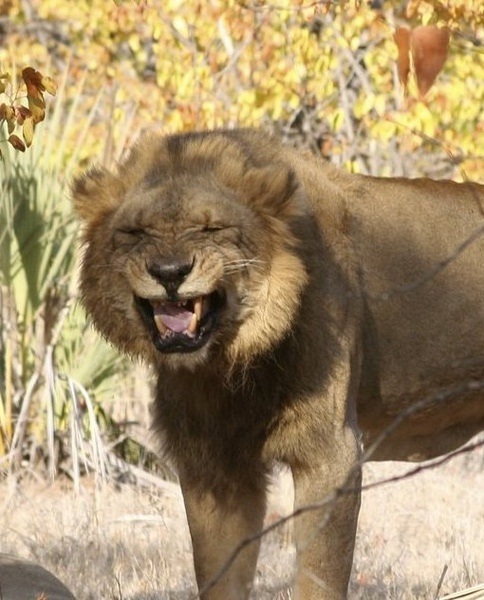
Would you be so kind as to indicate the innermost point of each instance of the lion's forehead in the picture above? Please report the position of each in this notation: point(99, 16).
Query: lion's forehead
point(183, 208)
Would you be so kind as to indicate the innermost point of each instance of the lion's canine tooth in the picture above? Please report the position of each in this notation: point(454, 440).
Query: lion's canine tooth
point(197, 307)
point(192, 327)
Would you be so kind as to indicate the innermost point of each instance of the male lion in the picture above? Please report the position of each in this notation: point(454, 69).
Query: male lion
point(290, 311)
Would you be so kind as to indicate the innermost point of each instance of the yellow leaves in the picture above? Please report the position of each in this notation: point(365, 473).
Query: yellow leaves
point(337, 119)
point(49, 85)
point(4, 81)
point(422, 119)
point(181, 26)
point(7, 114)
point(422, 8)
point(28, 130)
point(36, 84)
point(444, 12)
point(370, 103)
point(136, 47)
point(18, 116)
point(385, 130)
point(326, 69)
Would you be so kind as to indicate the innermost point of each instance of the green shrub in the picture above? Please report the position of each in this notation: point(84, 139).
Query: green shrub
point(49, 357)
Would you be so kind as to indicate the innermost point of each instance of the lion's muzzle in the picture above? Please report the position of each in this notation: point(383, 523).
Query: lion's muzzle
point(181, 326)
point(170, 273)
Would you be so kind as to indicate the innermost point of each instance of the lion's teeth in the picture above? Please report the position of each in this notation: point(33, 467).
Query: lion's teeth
point(192, 327)
point(162, 328)
point(197, 307)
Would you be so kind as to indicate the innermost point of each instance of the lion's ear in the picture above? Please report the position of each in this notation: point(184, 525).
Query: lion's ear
point(96, 193)
point(273, 189)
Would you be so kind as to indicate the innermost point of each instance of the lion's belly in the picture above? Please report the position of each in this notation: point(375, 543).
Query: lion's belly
point(426, 371)
point(423, 284)
point(424, 425)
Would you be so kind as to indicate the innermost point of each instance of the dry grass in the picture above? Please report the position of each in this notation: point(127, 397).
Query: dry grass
point(127, 543)
point(410, 530)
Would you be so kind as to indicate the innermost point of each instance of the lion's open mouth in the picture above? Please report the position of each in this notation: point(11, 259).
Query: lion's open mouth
point(182, 326)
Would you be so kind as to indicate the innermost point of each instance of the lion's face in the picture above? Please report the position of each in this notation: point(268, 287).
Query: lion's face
point(183, 265)
point(189, 257)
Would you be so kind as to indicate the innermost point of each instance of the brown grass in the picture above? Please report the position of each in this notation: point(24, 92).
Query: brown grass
point(410, 530)
point(127, 543)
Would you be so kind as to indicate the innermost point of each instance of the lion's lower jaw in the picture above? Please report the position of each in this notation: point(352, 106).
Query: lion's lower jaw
point(213, 356)
point(223, 354)
point(183, 361)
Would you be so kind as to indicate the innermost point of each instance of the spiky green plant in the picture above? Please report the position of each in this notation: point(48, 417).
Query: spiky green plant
point(48, 356)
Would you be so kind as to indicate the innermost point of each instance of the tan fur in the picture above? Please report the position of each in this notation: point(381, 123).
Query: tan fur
point(335, 302)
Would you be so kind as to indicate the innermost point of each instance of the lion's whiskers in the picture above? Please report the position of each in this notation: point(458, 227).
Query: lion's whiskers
point(103, 266)
point(233, 266)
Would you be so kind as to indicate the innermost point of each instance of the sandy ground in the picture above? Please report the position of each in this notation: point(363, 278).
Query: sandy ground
point(132, 543)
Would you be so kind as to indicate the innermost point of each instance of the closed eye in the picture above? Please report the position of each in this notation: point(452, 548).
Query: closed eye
point(128, 236)
point(134, 231)
point(213, 228)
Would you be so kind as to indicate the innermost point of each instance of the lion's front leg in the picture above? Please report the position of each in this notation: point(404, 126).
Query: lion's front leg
point(218, 524)
point(325, 536)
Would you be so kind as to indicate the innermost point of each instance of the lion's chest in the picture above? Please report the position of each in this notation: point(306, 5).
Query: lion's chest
point(258, 423)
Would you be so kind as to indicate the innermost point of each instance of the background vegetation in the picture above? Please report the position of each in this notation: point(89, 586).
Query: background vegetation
point(324, 75)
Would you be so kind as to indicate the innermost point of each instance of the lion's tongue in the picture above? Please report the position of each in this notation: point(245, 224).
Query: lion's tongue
point(174, 317)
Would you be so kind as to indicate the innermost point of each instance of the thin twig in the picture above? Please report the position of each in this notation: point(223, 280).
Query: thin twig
point(441, 581)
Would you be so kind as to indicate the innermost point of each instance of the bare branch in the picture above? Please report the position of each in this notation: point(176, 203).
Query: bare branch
point(441, 581)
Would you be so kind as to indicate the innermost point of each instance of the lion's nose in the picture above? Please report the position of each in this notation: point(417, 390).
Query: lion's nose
point(171, 273)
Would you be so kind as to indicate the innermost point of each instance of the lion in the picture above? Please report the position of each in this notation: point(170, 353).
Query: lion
point(295, 314)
